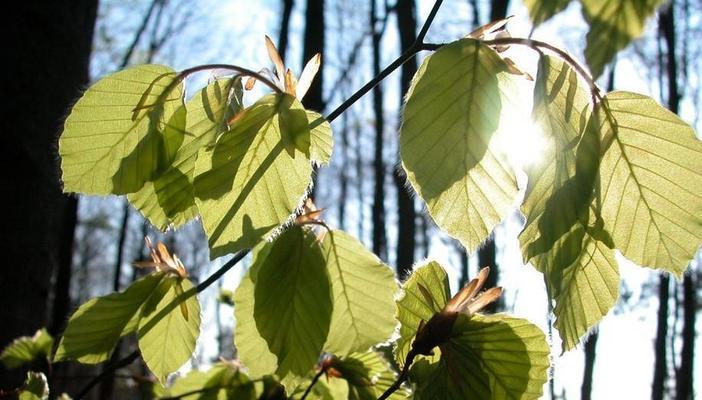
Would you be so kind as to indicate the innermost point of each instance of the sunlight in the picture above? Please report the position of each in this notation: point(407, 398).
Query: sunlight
point(519, 137)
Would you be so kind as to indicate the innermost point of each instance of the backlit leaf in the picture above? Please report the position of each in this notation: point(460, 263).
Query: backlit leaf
point(254, 177)
point(35, 387)
point(292, 305)
point(94, 329)
point(562, 237)
point(26, 349)
point(125, 129)
point(651, 174)
point(452, 110)
point(169, 200)
point(613, 25)
point(363, 288)
point(221, 381)
point(542, 10)
point(487, 357)
point(166, 334)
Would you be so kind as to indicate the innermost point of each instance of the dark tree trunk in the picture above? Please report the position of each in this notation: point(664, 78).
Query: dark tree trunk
point(378, 211)
point(667, 32)
point(499, 9)
point(407, 215)
point(62, 285)
point(684, 380)
point(660, 366)
point(590, 354)
point(314, 43)
point(285, 28)
point(47, 53)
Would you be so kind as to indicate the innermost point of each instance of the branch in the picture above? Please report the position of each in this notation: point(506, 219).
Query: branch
point(415, 48)
point(400, 378)
point(314, 380)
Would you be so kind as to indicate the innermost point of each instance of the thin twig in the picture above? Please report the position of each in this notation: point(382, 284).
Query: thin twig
point(400, 378)
point(314, 380)
point(415, 48)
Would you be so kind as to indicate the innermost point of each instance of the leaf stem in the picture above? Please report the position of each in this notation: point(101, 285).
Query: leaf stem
point(400, 378)
point(314, 380)
point(415, 48)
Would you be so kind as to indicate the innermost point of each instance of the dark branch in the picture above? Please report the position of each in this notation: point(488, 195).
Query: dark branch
point(314, 380)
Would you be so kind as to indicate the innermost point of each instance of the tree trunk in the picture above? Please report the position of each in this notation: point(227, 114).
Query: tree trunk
point(314, 43)
point(590, 354)
point(499, 9)
point(285, 28)
point(684, 379)
point(407, 215)
point(48, 53)
point(660, 367)
point(378, 211)
point(667, 32)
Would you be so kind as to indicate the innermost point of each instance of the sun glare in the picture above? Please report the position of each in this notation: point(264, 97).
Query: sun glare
point(520, 138)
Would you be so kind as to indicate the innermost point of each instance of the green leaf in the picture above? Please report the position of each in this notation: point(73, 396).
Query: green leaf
point(651, 174)
point(413, 307)
point(255, 176)
point(222, 381)
point(170, 199)
point(26, 349)
point(487, 357)
point(124, 130)
point(321, 138)
point(35, 387)
point(613, 25)
point(167, 332)
point(542, 10)
point(94, 329)
point(562, 236)
point(363, 288)
point(453, 108)
point(251, 347)
point(368, 375)
point(293, 300)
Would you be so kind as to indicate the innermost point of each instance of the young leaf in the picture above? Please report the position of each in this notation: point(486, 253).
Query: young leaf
point(414, 308)
point(169, 200)
point(166, 335)
point(35, 387)
point(651, 173)
point(452, 110)
point(26, 349)
point(123, 131)
point(542, 10)
point(221, 381)
point(252, 179)
point(321, 138)
point(487, 357)
point(293, 300)
point(94, 329)
point(579, 268)
point(363, 289)
point(613, 25)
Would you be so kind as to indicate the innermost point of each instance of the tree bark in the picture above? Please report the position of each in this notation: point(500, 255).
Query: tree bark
point(284, 28)
point(407, 215)
point(48, 54)
point(590, 354)
point(378, 210)
point(667, 34)
point(314, 43)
